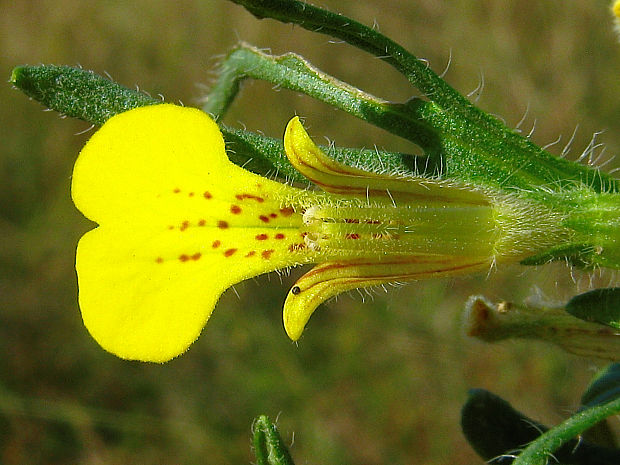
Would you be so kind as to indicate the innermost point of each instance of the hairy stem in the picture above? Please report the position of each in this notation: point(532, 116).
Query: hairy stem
point(540, 451)
point(475, 145)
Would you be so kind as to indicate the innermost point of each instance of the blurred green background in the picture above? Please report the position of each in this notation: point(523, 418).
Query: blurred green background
point(373, 380)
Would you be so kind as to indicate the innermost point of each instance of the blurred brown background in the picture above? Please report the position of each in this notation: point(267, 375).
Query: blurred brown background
point(369, 383)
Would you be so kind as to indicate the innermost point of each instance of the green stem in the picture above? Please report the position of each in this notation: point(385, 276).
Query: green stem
point(594, 219)
point(497, 432)
point(540, 451)
point(543, 321)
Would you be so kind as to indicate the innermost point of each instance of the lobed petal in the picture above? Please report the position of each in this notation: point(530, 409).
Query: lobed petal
point(179, 223)
point(329, 279)
point(381, 189)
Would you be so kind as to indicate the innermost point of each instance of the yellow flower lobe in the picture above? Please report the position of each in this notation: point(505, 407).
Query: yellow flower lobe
point(178, 224)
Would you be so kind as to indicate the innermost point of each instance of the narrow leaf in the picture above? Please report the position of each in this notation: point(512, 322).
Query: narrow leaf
point(77, 93)
point(599, 305)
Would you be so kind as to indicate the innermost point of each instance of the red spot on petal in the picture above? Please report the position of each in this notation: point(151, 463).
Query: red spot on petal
point(250, 196)
point(207, 195)
point(296, 247)
point(222, 224)
point(261, 237)
point(250, 254)
point(196, 256)
point(216, 244)
point(279, 236)
point(183, 257)
point(352, 236)
point(159, 260)
point(177, 190)
point(273, 215)
point(184, 225)
point(287, 211)
point(229, 252)
point(235, 209)
point(264, 219)
point(266, 254)
point(191, 194)
point(202, 222)
point(171, 227)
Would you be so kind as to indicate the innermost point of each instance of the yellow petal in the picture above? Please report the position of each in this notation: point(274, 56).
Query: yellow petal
point(329, 279)
point(338, 178)
point(179, 223)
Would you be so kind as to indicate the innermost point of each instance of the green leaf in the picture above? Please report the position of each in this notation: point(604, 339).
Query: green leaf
point(576, 254)
point(599, 305)
point(77, 93)
point(494, 428)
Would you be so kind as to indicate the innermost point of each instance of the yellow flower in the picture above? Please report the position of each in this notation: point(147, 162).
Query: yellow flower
point(179, 224)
